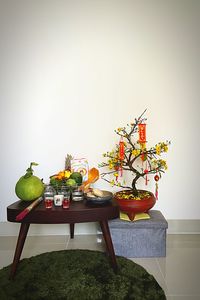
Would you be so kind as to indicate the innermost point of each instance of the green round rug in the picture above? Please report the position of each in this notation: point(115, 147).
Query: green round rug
point(78, 274)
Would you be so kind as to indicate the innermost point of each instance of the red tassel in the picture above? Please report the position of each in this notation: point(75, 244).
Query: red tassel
point(156, 192)
point(146, 177)
point(22, 214)
point(120, 171)
point(156, 178)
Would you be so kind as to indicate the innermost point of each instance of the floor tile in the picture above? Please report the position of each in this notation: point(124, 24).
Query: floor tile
point(151, 265)
point(184, 297)
point(181, 267)
point(38, 241)
point(183, 240)
point(34, 245)
point(89, 242)
point(28, 252)
point(6, 258)
point(7, 242)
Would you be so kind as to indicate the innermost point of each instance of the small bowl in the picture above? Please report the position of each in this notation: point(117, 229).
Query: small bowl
point(107, 196)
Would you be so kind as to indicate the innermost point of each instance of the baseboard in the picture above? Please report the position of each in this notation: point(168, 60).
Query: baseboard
point(12, 229)
point(183, 227)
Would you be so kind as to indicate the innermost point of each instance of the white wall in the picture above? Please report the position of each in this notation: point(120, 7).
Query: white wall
point(73, 71)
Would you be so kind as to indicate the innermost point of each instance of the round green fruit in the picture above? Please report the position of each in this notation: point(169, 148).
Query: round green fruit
point(71, 182)
point(29, 187)
point(77, 177)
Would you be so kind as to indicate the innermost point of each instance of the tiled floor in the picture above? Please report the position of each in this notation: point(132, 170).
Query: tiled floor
point(178, 273)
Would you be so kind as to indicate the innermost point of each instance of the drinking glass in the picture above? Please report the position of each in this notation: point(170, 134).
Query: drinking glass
point(77, 193)
point(49, 193)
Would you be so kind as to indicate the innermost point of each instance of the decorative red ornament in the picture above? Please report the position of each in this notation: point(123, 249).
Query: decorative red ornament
point(121, 149)
point(121, 154)
point(143, 156)
point(142, 139)
point(116, 168)
point(142, 133)
point(156, 177)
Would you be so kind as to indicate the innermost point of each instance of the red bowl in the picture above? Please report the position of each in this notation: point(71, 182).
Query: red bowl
point(132, 206)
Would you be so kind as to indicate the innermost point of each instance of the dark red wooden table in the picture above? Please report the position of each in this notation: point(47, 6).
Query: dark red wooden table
point(79, 212)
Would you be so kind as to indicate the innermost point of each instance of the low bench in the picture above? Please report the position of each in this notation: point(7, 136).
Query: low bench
point(142, 238)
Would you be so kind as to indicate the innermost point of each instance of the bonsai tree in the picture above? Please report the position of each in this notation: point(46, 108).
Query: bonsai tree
point(132, 155)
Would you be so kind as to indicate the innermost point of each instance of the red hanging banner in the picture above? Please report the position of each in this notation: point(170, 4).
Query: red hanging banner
point(121, 149)
point(142, 133)
point(121, 155)
point(142, 139)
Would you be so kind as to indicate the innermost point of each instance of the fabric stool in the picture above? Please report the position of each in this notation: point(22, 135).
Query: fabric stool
point(142, 238)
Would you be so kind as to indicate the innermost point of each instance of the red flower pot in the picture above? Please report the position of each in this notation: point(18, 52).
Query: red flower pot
point(146, 200)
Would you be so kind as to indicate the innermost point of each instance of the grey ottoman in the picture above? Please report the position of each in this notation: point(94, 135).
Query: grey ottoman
point(143, 238)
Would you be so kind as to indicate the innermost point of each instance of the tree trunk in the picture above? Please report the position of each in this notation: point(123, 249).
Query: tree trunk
point(134, 189)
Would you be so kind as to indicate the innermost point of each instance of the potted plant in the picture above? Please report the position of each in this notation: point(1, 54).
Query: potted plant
point(132, 155)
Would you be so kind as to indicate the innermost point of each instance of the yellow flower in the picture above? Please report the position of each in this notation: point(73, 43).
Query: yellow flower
point(60, 175)
point(158, 149)
point(119, 129)
point(136, 152)
point(67, 174)
point(116, 174)
point(165, 148)
point(110, 166)
point(163, 164)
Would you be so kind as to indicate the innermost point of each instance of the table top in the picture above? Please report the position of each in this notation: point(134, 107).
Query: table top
point(78, 212)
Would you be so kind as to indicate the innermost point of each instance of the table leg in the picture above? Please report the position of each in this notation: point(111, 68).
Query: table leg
point(109, 244)
point(19, 247)
point(71, 230)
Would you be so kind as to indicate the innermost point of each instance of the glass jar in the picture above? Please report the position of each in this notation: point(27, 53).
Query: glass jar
point(65, 191)
point(49, 193)
point(77, 193)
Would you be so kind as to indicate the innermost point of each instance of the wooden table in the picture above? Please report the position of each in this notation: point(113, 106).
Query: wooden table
point(78, 212)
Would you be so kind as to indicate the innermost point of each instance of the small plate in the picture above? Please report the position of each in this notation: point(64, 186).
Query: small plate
point(107, 196)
